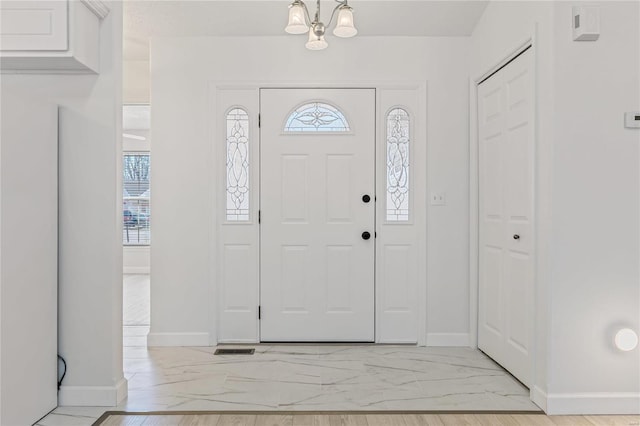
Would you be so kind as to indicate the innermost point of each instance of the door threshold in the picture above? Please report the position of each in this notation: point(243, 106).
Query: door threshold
point(318, 342)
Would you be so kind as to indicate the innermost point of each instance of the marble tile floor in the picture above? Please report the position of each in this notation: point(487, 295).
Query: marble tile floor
point(306, 378)
point(136, 295)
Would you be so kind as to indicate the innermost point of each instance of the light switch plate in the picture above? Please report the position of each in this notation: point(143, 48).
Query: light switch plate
point(438, 199)
point(632, 120)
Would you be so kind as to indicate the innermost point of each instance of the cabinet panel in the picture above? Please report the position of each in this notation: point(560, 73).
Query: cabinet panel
point(34, 25)
point(51, 36)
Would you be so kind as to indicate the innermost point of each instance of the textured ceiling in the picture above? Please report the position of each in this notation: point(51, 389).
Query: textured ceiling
point(145, 19)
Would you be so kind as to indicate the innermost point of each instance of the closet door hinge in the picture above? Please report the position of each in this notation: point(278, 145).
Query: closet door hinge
point(259, 312)
point(259, 121)
point(259, 216)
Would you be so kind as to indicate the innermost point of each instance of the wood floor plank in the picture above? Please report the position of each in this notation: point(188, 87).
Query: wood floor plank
point(333, 420)
point(274, 420)
point(614, 421)
point(385, 420)
point(169, 420)
point(236, 420)
point(493, 420)
point(329, 420)
point(317, 420)
point(570, 421)
point(531, 420)
point(461, 419)
point(457, 420)
point(124, 420)
point(200, 420)
point(303, 420)
point(422, 420)
point(633, 420)
point(355, 420)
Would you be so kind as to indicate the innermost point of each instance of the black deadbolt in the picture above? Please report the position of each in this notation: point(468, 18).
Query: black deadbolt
point(516, 237)
point(366, 198)
point(366, 235)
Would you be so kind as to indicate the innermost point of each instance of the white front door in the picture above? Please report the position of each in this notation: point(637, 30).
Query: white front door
point(317, 168)
point(505, 124)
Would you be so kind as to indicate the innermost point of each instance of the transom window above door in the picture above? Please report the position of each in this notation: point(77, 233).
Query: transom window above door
point(316, 117)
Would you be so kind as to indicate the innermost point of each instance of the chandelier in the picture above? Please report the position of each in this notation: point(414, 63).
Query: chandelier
point(300, 23)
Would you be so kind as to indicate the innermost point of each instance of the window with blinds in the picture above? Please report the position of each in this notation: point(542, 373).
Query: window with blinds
point(136, 194)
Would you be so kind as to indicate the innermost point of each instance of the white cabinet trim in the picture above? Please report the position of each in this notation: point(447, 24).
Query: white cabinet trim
point(51, 37)
point(99, 8)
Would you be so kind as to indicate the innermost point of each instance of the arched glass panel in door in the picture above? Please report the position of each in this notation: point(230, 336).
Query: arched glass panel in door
point(316, 117)
point(398, 137)
point(237, 165)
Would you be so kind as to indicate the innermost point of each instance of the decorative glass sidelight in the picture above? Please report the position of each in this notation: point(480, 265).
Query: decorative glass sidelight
point(237, 165)
point(317, 117)
point(398, 137)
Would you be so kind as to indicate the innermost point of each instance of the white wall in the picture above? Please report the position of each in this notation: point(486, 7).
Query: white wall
point(181, 71)
point(135, 82)
point(89, 234)
point(595, 288)
point(136, 259)
point(587, 198)
point(504, 27)
point(29, 205)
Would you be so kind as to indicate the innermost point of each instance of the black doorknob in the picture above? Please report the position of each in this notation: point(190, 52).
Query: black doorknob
point(366, 235)
point(366, 198)
point(516, 237)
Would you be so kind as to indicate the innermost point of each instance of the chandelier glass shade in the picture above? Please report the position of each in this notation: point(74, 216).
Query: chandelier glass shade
point(297, 20)
point(344, 26)
point(316, 42)
point(300, 22)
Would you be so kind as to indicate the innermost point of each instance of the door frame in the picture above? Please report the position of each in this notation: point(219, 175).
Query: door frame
point(537, 392)
point(419, 128)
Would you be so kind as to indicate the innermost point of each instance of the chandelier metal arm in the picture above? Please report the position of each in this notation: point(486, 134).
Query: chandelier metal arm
point(316, 19)
point(307, 16)
point(301, 21)
point(335, 9)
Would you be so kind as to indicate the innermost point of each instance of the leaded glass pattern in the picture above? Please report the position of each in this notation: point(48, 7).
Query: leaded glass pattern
point(316, 117)
point(398, 137)
point(237, 165)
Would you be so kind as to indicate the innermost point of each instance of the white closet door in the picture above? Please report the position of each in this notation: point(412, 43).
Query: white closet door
point(317, 270)
point(506, 158)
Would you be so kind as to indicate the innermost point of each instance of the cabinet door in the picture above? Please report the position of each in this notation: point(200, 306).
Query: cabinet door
point(34, 25)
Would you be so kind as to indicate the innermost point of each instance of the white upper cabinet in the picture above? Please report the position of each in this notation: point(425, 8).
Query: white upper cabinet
point(50, 36)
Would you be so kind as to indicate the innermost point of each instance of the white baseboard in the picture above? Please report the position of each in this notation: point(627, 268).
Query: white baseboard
point(593, 403)
point(136, 270)
point(178, 339)
point(539, 397)
point(447, 339)
point(92, 396)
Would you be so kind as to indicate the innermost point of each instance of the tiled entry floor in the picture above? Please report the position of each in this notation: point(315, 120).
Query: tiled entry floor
point(298, 377)
point(318, 378)
point(308, 377)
